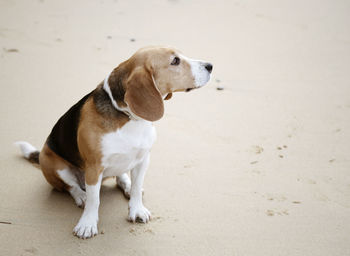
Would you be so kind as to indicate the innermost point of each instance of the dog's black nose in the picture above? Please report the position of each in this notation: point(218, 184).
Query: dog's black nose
point(209, 67)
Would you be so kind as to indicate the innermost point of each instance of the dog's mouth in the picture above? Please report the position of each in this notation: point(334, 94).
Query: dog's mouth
point(189, 89)
point(186, 90)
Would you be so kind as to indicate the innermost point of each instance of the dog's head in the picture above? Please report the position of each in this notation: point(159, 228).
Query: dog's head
point(152, 74)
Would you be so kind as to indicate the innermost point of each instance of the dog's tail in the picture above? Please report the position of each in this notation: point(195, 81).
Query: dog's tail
point(29, 152)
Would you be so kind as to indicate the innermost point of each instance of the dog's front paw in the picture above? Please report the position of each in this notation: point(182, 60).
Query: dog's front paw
point(139, 213)
point(86, 228)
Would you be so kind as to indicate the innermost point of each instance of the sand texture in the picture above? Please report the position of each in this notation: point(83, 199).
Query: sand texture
point(260, 167)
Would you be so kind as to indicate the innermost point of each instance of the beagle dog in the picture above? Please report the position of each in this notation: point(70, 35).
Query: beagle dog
point(109, 132)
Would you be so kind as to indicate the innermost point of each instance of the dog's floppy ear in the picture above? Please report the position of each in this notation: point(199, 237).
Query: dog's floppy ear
point(142, 95)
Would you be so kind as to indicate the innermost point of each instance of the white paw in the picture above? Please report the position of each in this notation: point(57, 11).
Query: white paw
point(79, 197)
point(80, 200)
point(139, 213)
point(86, 228)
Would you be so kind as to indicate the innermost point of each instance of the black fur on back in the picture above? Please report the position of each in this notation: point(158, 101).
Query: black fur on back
point(63, 137)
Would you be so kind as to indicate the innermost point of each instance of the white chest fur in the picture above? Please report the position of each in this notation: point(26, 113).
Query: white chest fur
point(123, 149)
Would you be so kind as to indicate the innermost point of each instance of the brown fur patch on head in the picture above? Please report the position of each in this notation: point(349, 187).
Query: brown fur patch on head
point(168, 78)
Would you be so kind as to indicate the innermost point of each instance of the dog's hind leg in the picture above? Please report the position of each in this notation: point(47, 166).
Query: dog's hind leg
point(124, 183)
point(61, 175)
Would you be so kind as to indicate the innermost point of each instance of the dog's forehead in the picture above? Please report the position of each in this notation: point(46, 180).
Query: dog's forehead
point(157, 52)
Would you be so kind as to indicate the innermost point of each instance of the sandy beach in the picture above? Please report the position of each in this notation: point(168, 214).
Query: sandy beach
point(258, 168)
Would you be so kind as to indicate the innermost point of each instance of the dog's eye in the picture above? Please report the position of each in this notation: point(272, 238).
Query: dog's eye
point(176, 61)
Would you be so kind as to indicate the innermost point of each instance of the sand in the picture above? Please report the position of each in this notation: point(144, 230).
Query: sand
point(258, 168)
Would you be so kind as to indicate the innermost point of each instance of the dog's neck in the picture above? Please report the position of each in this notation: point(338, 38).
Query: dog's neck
point(126, 109)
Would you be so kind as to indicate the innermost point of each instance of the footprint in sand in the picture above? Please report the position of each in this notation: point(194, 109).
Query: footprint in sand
point(12, 50)
point(277, 212)
point(277, 198)
point(258, 149)
point(281, 148)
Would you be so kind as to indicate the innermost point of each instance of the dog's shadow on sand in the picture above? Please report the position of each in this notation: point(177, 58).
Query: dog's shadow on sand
point(111, 198)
